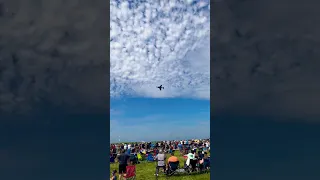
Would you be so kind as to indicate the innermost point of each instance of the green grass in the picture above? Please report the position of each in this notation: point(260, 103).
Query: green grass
point(146, 170)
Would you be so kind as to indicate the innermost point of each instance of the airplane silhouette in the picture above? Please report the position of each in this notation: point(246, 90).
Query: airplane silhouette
point(160, 87)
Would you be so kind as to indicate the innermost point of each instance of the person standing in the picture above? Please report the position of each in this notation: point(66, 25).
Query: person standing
point(161, 162)
point(123, 159)
point(191, 161)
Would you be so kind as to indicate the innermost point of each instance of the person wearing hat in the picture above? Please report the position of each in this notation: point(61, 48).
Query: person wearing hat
point(160, 158)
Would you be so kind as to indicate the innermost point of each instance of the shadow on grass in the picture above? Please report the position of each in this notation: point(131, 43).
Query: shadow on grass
point(181, 175)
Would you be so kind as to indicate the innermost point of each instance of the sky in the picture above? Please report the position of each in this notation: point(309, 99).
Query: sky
point(148, 119)
point(266, 61)
point(159, 43)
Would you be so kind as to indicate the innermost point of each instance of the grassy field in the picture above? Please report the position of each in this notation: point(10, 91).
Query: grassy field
point(146, 170)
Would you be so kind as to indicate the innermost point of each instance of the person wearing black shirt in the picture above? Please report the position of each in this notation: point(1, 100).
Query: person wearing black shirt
point(123, 162)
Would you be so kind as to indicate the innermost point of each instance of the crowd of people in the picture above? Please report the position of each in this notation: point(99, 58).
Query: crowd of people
point(182, 145)
point(128, 154)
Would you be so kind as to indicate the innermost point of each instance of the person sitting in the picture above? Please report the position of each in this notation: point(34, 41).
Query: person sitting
point(134, 159)
point(160, 158)
point(173, 162)
point(114, 175)
point(155, 151)
point(112, 159)
point(200, 153)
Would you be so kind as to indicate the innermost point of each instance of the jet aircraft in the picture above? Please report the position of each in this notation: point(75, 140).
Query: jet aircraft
point(160, 87)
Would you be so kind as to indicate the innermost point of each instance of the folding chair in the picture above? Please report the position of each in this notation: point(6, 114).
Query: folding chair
point(150, 157)
point(130, 172)
point(172, 168)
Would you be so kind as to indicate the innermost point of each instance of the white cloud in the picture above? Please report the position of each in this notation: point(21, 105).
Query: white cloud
point(160, 43)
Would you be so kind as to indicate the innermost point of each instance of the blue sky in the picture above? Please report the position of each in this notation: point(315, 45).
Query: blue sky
point(137, 119)
point(156, 43)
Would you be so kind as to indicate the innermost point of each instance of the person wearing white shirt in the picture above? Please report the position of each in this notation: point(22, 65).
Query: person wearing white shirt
point(192, 160)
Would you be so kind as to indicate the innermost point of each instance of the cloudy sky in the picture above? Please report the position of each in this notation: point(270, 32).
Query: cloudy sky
point(159, 43)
